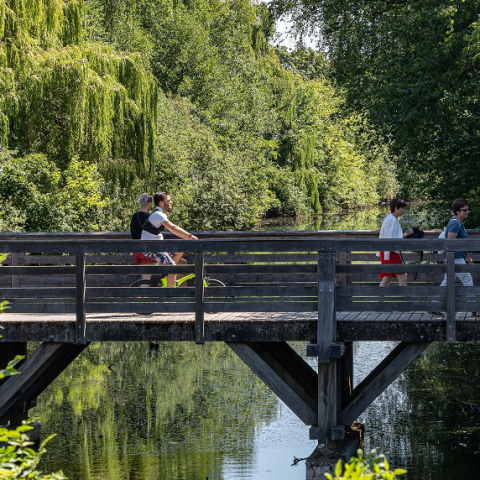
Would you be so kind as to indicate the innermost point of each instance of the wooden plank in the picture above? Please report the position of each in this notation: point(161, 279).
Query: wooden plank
point(138, 269)
point(80, 287)
point(408, 257)
point(450, 298)
point(326, 333)
point(391, 306)
point(8, 293)
point(394, 290)
point(199, 300)
point(261, 257)
point(260, 307)
point(42, 308)
point(282, 377)
point(37, 372)
point(468, 268)
point(379, 379)
point(263, 300)
point(260, 269)
point(261, 290)
point(467, 306)
point(139, 292)
point(279, 244)
point(367, 268)
point(146, 307)
point(123, 258)
point(461, 290)
point(53, 270)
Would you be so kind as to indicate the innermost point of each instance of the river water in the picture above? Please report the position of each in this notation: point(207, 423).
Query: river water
point(188, 412)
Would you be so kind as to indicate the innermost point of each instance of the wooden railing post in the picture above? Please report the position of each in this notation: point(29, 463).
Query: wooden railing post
point(199, 299)
point(451, 330)
point(81, 284)
point(326, 329)
point(326, 335)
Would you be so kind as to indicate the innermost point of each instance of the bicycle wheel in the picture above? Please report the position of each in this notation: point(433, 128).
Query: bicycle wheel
point(213, 282)
point(143, 283)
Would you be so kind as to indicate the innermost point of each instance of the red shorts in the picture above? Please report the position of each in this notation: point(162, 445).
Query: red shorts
point(141, 259)
point(395, 259)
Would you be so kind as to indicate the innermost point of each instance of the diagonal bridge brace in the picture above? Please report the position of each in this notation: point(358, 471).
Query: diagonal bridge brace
point(388, 370)
point(285, 373)
point(37, 372)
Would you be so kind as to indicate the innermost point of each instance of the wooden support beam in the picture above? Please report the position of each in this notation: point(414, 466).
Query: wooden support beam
point(37, 372)
point(326, 336)
point(379, 379)
point(451, 330)
point(285, 373)
point(326, 330)
point(199, 300)
point(8, 351)
point(81, 286)
point(345, 377)
point(327, 398)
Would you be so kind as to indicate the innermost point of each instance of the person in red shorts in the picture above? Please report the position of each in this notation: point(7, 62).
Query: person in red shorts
point(391, 229)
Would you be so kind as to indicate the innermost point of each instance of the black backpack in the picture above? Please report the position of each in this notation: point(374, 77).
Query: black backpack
point(417, 233)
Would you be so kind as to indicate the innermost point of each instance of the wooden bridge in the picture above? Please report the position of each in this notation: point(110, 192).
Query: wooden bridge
point(66, 291)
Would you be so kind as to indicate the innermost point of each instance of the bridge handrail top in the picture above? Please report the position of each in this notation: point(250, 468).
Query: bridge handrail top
point(289, 244)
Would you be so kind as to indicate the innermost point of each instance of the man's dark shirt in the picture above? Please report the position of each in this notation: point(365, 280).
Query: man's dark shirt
point(136, 223)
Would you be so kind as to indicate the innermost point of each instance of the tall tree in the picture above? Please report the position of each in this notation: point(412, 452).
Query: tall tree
point(412, 67)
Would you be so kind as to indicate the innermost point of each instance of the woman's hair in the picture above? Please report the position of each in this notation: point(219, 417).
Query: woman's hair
point(397, 203)
point(459, 203)
point(144, 200)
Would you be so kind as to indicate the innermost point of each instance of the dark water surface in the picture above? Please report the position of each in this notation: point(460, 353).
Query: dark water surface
point(192, 412)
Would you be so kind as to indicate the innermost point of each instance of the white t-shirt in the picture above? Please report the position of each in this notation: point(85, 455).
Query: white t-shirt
point(390, 229)
point(156, 219)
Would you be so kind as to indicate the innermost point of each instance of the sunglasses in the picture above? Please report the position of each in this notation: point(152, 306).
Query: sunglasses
point(464, 209)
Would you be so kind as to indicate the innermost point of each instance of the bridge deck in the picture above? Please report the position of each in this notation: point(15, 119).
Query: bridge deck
point(237, 326)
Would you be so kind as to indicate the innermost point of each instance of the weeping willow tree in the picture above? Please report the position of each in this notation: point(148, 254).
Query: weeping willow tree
point(66, 98)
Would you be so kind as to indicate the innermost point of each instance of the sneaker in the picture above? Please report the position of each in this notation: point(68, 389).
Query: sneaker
point(437, 313)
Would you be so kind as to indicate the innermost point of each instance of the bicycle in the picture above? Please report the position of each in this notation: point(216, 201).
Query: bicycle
point(162, 282)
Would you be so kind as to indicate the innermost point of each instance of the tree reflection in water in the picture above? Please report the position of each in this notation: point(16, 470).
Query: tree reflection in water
point(179, 412)
point(419, 421)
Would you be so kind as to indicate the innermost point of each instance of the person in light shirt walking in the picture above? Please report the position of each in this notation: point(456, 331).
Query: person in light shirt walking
point(391, 229)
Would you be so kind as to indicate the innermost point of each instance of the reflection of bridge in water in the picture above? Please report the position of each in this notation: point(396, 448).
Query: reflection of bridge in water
point(66, 291)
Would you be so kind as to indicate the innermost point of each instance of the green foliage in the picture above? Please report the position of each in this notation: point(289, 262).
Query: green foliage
point(18, 460)
point(371, 467)
point(412, 68)
point(110, 98)
point(35, 195)
point(66, 99)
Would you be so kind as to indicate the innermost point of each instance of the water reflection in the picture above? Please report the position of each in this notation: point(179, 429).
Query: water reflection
point(419, 214)
point(121, 411)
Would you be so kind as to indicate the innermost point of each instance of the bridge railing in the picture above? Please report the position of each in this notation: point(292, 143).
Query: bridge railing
point(263, 274)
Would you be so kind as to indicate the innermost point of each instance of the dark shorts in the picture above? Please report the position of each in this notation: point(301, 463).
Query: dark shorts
point(395, 259)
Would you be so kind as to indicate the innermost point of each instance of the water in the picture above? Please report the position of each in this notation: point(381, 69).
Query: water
point(188, 412)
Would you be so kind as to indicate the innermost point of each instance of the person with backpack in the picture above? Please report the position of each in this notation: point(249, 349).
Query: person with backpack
point(138, 219)
point(391, 229)
point(456, 229)
point(152, 229)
